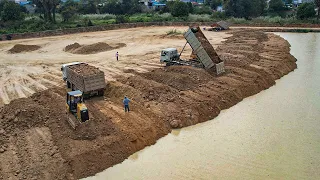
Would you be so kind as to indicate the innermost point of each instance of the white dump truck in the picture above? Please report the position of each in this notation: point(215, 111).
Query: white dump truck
point(206, 56)
point(84, 77)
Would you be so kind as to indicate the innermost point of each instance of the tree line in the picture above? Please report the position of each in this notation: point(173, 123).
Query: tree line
point(10, 11)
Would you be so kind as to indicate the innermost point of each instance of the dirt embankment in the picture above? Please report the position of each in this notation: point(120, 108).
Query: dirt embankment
point(19, 48)
point(36, 141)
point(76, 48)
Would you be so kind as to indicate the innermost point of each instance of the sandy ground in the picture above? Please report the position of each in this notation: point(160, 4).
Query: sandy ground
point(23, 74)
point(36, 142)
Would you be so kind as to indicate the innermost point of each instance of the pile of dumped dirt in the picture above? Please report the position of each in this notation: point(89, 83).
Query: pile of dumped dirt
point(72, 47)
point(18, 48)
point(76, 48)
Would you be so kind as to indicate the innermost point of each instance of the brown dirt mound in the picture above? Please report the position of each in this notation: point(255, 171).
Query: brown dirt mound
point(76, 48)
point(72, 47)
point(18, 48)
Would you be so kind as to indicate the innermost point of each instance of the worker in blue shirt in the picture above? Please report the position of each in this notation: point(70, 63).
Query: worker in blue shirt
point(126, 104)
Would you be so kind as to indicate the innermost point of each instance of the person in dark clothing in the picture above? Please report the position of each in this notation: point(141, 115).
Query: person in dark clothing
point(126, 104)
point(117, 56)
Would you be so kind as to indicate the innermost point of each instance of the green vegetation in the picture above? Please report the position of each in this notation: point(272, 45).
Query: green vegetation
point(245, 8)
point(174, 32)
point(180, 9)
point(306, 10)
point(317, 4)
point(69, 10)
point(53, 14)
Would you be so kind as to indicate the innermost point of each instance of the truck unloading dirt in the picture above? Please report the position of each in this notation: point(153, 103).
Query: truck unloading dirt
point(202, 49)
point(81, 76)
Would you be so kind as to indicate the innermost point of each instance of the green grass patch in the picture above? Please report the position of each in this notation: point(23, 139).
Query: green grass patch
point(174, 32)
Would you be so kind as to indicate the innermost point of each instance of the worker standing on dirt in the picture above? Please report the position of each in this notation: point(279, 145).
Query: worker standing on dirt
point(126, 104)
point(117, 56)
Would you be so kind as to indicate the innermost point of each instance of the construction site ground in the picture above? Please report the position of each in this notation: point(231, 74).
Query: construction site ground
point(36, 141)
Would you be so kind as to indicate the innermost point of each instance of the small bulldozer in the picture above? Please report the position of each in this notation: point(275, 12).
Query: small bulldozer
point(77, 111)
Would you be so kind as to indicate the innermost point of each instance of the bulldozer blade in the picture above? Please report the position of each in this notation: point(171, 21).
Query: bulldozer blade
point(72, 121)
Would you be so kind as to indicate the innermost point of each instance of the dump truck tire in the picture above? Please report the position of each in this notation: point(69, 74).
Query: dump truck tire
point(68, 84)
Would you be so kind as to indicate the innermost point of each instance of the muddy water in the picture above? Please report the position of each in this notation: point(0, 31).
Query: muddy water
point(272, 135)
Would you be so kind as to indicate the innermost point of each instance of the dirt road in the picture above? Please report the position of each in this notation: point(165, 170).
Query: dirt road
point(36, 141)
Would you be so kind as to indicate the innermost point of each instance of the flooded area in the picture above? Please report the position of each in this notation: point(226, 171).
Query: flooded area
point(272, 135)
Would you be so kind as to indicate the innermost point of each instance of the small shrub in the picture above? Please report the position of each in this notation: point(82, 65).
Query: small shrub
point(122, 19)
point(90, 23)
point(238, 20)
point(174, 32)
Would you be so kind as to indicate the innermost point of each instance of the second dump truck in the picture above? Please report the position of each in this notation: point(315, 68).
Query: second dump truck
point(84, 77)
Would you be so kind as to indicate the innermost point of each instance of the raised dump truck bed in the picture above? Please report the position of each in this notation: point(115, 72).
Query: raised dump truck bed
point(204, 50)
point(88, 79)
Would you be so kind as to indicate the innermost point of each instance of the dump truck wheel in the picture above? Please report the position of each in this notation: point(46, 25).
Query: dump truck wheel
point(68, 84)
point(101, 93)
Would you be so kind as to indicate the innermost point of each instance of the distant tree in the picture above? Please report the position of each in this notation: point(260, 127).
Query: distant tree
point(69, 9)
point(168, 7)
point(130, 6)
point(317, 4)
point(191, 9)
point(306, 10)
point(1, 5)
point(244, 8)
point(48, 7)
point(213, 3)
point(179, 9)
point(124, 7)
point(276, 6)
point(88, 6)
point(288, 1)
point(11, 11)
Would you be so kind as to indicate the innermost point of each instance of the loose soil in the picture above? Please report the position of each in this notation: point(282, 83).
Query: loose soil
point(85, 69)
point(207, 46)
point(37, 142)
point(76, 48)
point(18, 48)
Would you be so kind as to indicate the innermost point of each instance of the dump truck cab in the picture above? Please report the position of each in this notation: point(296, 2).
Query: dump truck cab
point(169, 55)
point(64, 69)
point(76, 106)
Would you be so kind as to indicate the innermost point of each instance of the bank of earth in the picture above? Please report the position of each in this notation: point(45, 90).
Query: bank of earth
point(36, 141)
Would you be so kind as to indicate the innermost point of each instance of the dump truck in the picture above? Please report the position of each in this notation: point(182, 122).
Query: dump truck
point(202, 49)
point(84, 77)
point(219, 26)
